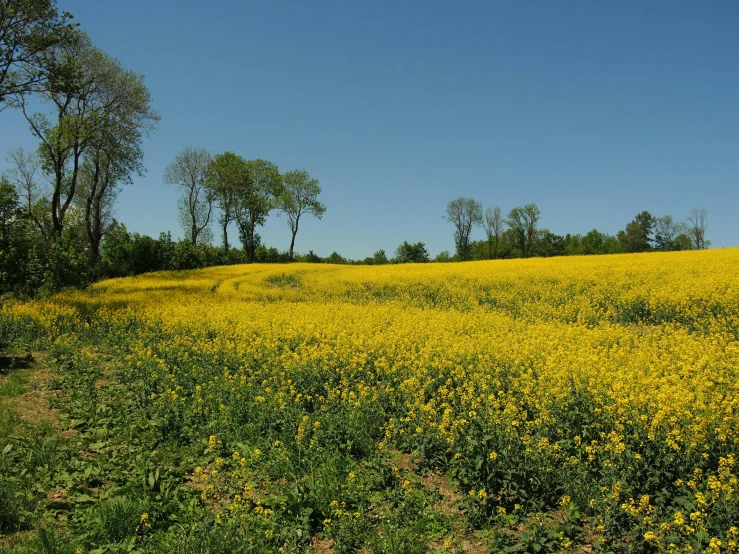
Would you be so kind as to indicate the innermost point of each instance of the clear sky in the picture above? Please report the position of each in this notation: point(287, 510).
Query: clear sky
point(594, 110)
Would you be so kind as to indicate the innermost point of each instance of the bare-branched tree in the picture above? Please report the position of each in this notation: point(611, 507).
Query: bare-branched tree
point(190, 171)
point(25, 175)
point(697, 225)
point(464, 214)
point(493, 226)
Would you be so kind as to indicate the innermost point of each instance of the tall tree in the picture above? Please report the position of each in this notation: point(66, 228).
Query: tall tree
point(190, 171)
point(522, 220)
point(229, 178)
point(29, 30)
point(464, 214)
point(379, 257)
point(637, 237)
point(115, 152)
point(254, 203)
point(493, 226)
point(697, 225)
point(84, 95)
point(299, 196)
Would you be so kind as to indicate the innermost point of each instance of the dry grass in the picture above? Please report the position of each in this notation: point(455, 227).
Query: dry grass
point(321, 546)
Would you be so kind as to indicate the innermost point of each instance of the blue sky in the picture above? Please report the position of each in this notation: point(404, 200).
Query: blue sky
point(593, 110)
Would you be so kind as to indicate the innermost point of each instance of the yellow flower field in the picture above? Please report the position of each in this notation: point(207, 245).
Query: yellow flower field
point(607, 384)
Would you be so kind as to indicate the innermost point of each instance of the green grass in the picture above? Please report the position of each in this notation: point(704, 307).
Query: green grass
point(9, 420)
point(13, 384)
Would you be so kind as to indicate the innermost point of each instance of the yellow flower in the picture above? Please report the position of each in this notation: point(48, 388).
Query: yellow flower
point(645, 344)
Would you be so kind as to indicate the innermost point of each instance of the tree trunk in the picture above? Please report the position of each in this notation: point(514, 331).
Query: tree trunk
point(250, 242)
point(90, 214)
point(55, 200)
point(292, 242)
point(97, 226)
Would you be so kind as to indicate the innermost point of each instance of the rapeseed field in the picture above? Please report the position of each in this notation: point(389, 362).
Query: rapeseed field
point(571, 404)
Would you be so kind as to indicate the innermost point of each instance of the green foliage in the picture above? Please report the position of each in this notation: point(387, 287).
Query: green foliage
point(310, 257)
point(125, 254)
point(411, 253)
point(265, 255)
point(445, 256)
point(378, 258)
point(299, 196)
point(637, 237)
point(203, 537)
point(671, 235)
point(21, 265)
point(547, 244)
point(522, 222)
point(68, 265)
point(119, 519)
point(49, 540)
point(593, 242)
point(10, 508)
point(229, 180)
point(254, 202)
point(335, 258)
point(30, 30)
point(284, 280)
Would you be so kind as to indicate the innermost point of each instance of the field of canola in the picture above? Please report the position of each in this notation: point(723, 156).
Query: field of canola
point(596, 396)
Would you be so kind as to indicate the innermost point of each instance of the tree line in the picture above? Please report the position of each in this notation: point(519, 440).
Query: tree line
point(518, 235)
point(241, 191)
